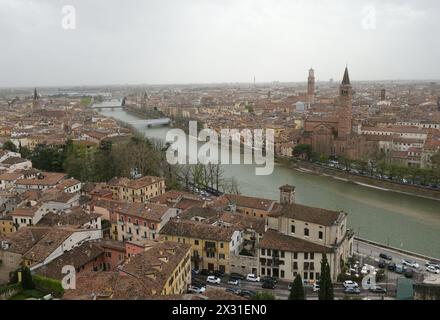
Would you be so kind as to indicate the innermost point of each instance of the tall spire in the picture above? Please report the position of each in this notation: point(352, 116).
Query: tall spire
point(346, 79)
point(35, 94)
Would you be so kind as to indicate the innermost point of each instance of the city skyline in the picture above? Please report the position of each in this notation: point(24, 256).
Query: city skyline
point(216, 42)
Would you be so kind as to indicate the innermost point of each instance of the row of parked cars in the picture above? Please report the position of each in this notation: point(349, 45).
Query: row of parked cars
point(407, 266)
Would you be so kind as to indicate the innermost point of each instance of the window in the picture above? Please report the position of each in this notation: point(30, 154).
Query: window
point(282, 273)
point(312, 255)
point(221, 245)
point(306, 232)
point(263, 252)
point(263, 271)
point(292, 229)
point(306, 276)
point(295, 265)
point(320, 235)
point(295, 255)
point(221, 256)
point(282, 254)
point(306, 255)
point(196, 242)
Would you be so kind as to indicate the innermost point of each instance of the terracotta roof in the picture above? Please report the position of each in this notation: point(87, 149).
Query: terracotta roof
point(142, 277)
point(275, 240)
point(77, 257)
point(197, 230)
point(309, 214)
point(43, 248)
point(136, 183)
point(251, 202)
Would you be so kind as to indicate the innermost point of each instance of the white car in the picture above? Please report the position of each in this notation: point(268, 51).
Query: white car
point(196, 290)
point(410, 263)
point(234, 282)
point(252, 277)
point(432, 269)
point(350, 284)
point(213, 280)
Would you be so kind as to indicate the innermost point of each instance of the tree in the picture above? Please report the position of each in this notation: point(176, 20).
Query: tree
point(26, 279)
point(263, 296)
point(435, 160)
point(9, 145)
point(325, 282)
point(297, 290)
point(303, 150)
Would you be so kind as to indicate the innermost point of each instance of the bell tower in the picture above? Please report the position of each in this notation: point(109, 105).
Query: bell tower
point(311, 87)
point(345, 108)
point(287, 194)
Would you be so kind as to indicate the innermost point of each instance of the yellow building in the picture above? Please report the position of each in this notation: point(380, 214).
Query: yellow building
point(137, 190)
point(211, 246)
point(251, 206)
point(6, 226)
point(161, 268)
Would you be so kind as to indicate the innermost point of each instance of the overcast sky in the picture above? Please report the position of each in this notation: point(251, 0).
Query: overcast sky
point(205, 41)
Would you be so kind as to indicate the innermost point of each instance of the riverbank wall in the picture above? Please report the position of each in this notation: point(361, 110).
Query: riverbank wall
point(402, 251)
point(388, 185)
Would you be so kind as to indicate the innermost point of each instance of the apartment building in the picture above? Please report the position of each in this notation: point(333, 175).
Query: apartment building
point(137, 190)
point(138, 221)
point(211, 245)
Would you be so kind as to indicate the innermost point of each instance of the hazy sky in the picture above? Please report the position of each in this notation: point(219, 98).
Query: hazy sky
point(200, 41)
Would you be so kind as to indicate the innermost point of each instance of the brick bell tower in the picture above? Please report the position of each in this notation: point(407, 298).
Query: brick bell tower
point(311, 87)
point(345, 108)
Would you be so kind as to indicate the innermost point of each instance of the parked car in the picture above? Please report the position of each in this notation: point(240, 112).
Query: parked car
point(247, 293)
point(315, 287)
point(408, 273)
point(233, 281)
point(382, 264)
point(268, 285)
point(432, 269)
point(252, 277)
point(233, 290)
point(378, 289)
point(213, 280)
point(399, 268)
point(433, 264)
point(350, 284)
point(271, 279)
point(392, 267)
point(385, 256)
point(237, 276)
point(196, 290)
point(353, 290)
point(410, 263)
point(218, 273)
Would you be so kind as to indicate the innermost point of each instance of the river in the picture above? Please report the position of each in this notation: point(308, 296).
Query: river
point(403, 221)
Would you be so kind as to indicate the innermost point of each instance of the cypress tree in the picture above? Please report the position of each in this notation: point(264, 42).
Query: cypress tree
point(297, 290)
point(325, 284)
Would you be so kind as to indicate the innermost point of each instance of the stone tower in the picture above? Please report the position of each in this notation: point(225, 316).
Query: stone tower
point(383, 95)
point(311, 87)
point(35, 100)
point(287, 194)
point(345, 108)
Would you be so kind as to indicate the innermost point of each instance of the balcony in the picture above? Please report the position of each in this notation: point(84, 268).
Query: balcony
point(210, 249)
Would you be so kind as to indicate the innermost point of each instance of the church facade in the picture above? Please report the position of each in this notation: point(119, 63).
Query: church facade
point(332, 134)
